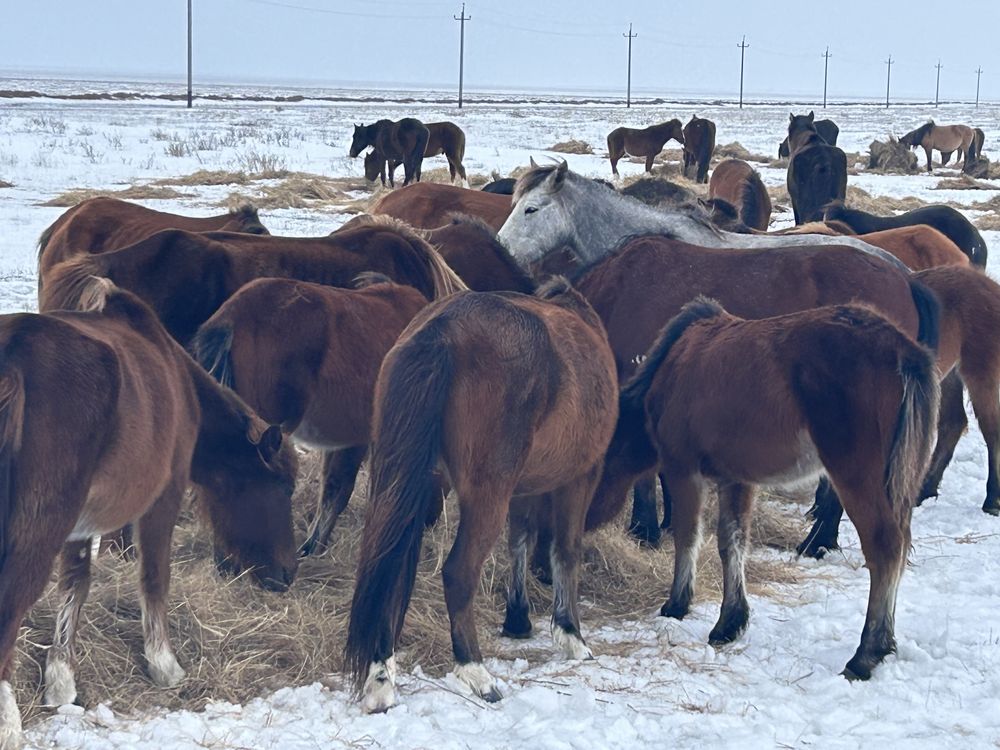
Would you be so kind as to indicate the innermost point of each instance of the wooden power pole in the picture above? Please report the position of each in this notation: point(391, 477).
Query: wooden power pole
point(826, 68)
point(628, 86)
point(743, 48)
point(888, 73)
point(461, 51)
point(937, 85)
point(190, 95)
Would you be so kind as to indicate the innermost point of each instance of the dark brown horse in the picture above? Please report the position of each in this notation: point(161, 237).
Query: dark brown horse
point(699, 145)
point(943, 138)
point(817, 171)
point(827, 130)
point(98, 225)
point(186, 277)
point(429, 205)
point(444, 138)
point(104, 419)
point(646, 142)
point(516, 396)
point(865, 417)
point(403, 142)
point(470, 248)
point(739, 184)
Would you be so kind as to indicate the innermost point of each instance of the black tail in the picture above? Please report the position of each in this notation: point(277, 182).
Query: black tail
point(212, 349)
point(408, 430)
point(928, 312)
point(11, 423)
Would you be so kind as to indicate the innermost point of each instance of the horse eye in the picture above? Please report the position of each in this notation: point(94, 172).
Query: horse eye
point(530, 210)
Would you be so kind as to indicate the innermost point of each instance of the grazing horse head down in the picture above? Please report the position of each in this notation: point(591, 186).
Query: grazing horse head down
point(364, 136)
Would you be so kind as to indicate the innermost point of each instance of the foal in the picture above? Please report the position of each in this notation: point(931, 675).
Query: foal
point(516, 397)
point(771, 402)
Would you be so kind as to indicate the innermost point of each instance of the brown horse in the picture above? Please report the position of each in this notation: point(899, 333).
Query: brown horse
point(403, 142)
point(470, 248)
point(919, 246)
point(429, 205)
point(444, 138)
point(186, 277)
point(942, 138)
point(739, 184)
point(699, 145)
point(775, 379)
point(817, 171)
point(98, 225)
point(646, 142)
point(516, 396)
point(305, 357)
point(104, 419)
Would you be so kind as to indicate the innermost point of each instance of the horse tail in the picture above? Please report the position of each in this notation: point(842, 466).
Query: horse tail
point(408, 428)
point(69, 281)
point(928, 313)
point(11, 428)
point(212, 348)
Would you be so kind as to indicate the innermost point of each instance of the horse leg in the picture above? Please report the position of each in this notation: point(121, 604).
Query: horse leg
point(156, 528)
point(735, 510)
point(74, 586)
point(983, 393)
point(340, 470)
point(649, 162)
point(667, 505)
point(927, 150)
point(645, 523)
point(614, 156)
point(687, 493)
point(517, 622)
point(952, 421)
point(541, 559)
point(826, 512)
point(461, 173)
point(946, 157)
point(392, 173)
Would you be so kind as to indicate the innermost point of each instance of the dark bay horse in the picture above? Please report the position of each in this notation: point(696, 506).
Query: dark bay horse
point(945, 219)
point(471, 249)
point(403, 142)
point(944, 138)
point(646, 142)
point(443, 138)
point(516, 396)
point(827, 130)
point(699, 145)
point(817, 171)
point(186, 277)
point(97, 225)
point(428, 205)
point(104, 419)
point(793, 402)
point(739, 184)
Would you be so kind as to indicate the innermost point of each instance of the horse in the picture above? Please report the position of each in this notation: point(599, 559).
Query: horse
point(516, 396)
point(740, 185)
point(646, 142)
point(403, 142)
point(104, 419)
point(186, 277)
point(470, 248)
point(918, 246)
point(968, 354)
point(945, 219)
point(775, 379)
point(97, 225)
point(817, 171)
point(305, 357)
point(699, 144)
point(941, 138)
point(502, 186)
point(428, 205)
point(443, 138)
point(827, 130)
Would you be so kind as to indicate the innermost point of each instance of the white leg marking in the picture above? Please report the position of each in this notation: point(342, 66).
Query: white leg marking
point(379, 692)
point(479, 680)
point(571, 646)
point(10, 719)
point(60, 684)
point(163, 666)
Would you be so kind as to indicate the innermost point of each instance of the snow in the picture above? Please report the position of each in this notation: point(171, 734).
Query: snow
point(653, 679)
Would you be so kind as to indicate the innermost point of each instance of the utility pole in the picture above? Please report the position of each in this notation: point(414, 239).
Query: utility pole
point(826, 66)
point(743, 47)
point(189, 55)
point(628, 90)
point(888, 73)
point(979, 74)
point(461, 51)
point(937, 86)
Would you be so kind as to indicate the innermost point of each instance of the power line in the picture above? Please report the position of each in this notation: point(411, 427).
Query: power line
point(628, 90)
point(461, 51)
point(743, 47)
point(331, 12)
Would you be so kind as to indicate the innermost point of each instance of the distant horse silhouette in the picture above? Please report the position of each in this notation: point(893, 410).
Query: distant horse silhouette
point(827, 130)
point(428, 205)
point(103, 421)
point(793, 403)
point(699, 145)
point(942, 138)
point(443, 138)
point(404, 142)
point(516, 396)
point(817, 171)
point(739, 184)
point(646, 142)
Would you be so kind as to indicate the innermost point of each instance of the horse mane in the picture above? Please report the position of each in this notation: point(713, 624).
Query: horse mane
point(916, 135)
point(366, 279)
point(559, 291)
point(69, 281)
point(457, 218)
point(532, 179)
point(211, 347)
point(750, 196)
point(44, 238)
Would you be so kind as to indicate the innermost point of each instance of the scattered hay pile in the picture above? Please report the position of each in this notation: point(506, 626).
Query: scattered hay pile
point(883, 205)
point(737, 150)
point(963, 182)
point(222, 177)
point(989, 222)
point(891, 157)
point(5, 184)
point(657, 191)
point(572, 146)
point(132, 193)
point(304, 190)
point(981, 168)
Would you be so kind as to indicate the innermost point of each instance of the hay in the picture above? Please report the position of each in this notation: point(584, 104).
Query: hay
point(237, 642)
point(657, 191)
point(571, 146)
point(882, 205)
point(737, 150)
point(304, 190)
point(891, 157)
point(988, 223)
point(5, 184)
point(132, 193)
point(963, 182)
point(220, 177)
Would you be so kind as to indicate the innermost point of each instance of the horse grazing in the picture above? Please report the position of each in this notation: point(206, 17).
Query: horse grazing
point(945, 219)
point(792, 402)
point(516, 396)
point(941, 138)
point(827, 130)
point(444, 138)
point(186, 277)
point(646, 142)
point(103, 421)
point(817, 171)
point(98, 225)
point(739, 184)
point(699, 145)
point(429, 205)
point(470, 248)
point(403, 142)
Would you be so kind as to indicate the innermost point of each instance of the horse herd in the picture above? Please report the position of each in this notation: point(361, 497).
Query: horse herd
point(171, 351)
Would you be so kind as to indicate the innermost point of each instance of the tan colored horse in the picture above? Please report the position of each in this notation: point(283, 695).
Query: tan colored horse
point(646, 142)
point(943, 138)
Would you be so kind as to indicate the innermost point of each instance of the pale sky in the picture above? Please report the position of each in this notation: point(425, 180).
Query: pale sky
point(688, 47)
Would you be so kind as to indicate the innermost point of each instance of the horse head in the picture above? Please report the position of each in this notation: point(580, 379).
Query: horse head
point(539, 221)
point(360, 141)
point(374, 164)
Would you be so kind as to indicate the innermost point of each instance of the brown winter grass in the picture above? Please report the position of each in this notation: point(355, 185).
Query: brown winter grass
point(989, 222)
point(737, 150)
point(571, 146)
point(208, 177)
point(963, 182)
point(237, 642)
point(131, 193)
point(5, 184)
point(304, 190)
point(882, 205)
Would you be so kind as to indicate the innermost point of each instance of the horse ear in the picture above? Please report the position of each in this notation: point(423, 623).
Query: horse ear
point(268, 442)
point(560, 173)
point(531, 160)
point(791, 117)
point(812, 115)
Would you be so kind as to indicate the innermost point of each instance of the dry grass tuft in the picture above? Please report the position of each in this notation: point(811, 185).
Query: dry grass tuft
point(572, 146)
point(304, 190)
point(963, 182)
point(5, 184)
point(131, 193)
point(237, 642)
point(220, 177)
point(882, 205)
point(737, 150)
point(891, 157)
point(989, 222)
point(990, 204)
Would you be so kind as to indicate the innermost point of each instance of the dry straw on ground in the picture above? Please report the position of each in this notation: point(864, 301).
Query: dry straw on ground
point(222, 177)
point(131, 193)
point(891, 157)
point(737, 150)
point(963, 182)
point(988, 223)
point(304, 190)
point(237, 642)
point(5, 184)
point(882, 205)
point(572, 146)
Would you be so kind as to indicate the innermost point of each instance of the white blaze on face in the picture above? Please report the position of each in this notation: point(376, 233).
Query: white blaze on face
point(379, 692)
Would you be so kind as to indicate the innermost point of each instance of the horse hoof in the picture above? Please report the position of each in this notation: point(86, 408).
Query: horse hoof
point(857, 673)
point(571, 645)
point(724, 634)
point(815, 550)
point(60, 683)
point(676, 611)
point(992, 506)
point(516, 626)
point(163, 668)
point(379, 692)
point(479, 681)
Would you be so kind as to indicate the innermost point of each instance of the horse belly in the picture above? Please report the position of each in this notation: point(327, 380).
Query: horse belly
point(799, 465)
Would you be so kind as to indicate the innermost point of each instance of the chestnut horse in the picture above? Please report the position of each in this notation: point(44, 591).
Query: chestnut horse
point(186, 277)
point(516, 396)
point(98, 225)
point(646, 142)
point(471, 249)
point(792, 401)
point(919, 246)
point(817, 171)
point(944, 138)
point(443, 138)
point(403, 142)
point(739, 184)
point(428, 205)
point(699, 145)
point(104, 419)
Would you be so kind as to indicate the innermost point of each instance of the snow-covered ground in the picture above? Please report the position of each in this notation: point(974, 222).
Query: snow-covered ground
point(654, 680)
